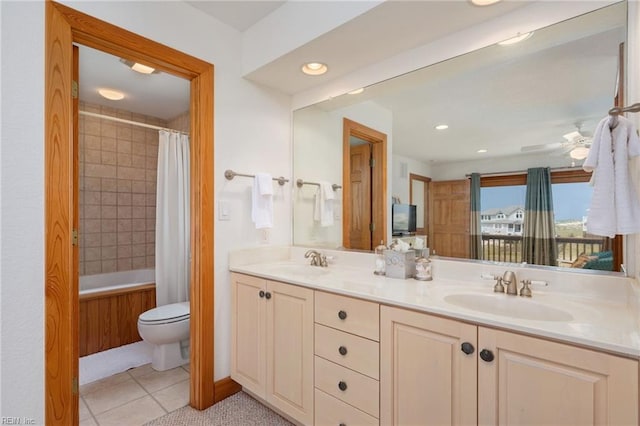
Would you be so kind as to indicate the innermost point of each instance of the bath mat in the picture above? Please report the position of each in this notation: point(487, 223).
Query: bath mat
point(107, 363)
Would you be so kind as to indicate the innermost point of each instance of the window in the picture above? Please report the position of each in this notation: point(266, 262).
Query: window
point(571, 198)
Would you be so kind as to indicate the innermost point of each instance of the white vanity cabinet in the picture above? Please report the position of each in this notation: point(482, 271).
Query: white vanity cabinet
point(272, 331)
point(536, 381)
point(426, 378)
point(347, 361)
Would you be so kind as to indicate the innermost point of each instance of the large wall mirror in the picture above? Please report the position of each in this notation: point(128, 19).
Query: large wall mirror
point(508, 107)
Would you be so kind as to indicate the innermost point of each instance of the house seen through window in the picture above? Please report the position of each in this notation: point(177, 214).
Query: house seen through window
point(503, 215)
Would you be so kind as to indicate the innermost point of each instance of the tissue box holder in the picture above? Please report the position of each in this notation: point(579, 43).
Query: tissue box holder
point(400, 264)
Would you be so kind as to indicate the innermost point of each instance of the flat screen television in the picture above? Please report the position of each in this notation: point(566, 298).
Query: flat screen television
point(403, 219)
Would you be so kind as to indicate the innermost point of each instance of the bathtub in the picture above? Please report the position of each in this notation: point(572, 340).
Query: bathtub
point(109, 308)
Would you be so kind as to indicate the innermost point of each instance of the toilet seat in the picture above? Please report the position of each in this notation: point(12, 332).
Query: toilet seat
point(166, 314)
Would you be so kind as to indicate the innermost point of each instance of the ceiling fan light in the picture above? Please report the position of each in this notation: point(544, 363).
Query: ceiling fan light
point(579, 153)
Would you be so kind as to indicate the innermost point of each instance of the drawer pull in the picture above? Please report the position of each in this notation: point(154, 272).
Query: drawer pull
point(486, 355)
point(261, 294)
point(467, 348)
point(342, 315)
point(342, 350)
point(342, 385)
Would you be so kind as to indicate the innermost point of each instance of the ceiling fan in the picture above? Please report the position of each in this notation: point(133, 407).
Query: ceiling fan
point(577, 144)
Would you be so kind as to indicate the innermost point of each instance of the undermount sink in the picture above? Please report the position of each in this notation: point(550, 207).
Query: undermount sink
point(300, 270)
point(508, 306)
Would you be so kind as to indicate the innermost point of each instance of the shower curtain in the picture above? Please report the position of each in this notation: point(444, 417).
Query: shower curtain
point(172, 219)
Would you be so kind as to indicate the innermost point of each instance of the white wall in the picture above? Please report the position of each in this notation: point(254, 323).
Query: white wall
point(252, 134)
point(402, 167)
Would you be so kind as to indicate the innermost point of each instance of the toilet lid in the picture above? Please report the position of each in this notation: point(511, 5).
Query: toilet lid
point(172, 312)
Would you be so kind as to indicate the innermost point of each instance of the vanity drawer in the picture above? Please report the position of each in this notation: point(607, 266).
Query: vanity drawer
point(360, 354)
point(351, 315)
point(330, 411)
point(349, 386)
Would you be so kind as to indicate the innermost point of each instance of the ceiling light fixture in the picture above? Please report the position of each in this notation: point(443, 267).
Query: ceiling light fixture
point(138, 67)
point(314, 68)
point(441, 127)
point(484, 2)
point(356, 92)
point(481, 151)
point(516, 39)
point(579, 153)
point(112, 95)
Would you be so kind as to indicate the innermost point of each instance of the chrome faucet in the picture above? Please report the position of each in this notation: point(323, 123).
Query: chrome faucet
point(317, 258)
point(510, 283)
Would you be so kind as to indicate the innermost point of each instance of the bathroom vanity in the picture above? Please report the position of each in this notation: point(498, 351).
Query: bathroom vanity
point(339, 345)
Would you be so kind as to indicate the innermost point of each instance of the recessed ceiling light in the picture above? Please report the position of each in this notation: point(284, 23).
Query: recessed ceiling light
point(484, 2)
point(442, 127)
point(516, 39)
point(481, 151)
point(314, 68)
point(142, 69)
point(356, 92)
point(113, 95)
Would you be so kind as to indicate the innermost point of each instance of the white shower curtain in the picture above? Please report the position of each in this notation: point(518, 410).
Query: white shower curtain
point(172, 219)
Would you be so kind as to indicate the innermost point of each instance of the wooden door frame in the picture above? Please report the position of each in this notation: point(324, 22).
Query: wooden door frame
point(64, 26)
point(426, 180)
point(378, 141)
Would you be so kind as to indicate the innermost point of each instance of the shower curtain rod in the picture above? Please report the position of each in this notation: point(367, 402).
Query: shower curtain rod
point(135, 123)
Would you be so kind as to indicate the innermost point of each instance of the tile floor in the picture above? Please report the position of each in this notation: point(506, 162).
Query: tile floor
point(134, 397)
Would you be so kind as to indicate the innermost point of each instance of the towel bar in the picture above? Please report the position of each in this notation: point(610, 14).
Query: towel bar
point(300, 182)
point(230, 174)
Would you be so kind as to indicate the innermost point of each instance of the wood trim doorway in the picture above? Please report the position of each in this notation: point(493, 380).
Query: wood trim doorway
point(424, 196)
point(64, 26)
point(378, 142)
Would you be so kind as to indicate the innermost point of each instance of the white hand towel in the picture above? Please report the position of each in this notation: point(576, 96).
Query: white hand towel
point(323, 207)
point(615, 208)
point(262, 201)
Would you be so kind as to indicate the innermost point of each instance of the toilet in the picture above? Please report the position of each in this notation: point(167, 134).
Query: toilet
point(167, 329)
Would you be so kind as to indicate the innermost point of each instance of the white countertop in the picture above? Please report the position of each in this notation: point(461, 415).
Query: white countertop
point(594, 310)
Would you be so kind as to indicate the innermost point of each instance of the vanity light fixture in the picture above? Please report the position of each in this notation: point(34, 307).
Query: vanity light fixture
point(441, 127)
point(142, 69)
point(579, 153)
point(314, 68)
point(356, 92)
point(484, 2)
point(112, 95)
point(516, 39)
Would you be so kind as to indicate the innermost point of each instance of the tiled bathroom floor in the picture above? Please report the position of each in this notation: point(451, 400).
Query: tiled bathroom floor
point(134, 397)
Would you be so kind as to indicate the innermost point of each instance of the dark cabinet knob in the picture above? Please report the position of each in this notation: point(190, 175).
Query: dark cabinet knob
point(261, 294)
point(342, 350)
point(342, 385)
point(267, 295)
point(343, 424)
point(486, 355)
point(342, 315)
point(467, 348)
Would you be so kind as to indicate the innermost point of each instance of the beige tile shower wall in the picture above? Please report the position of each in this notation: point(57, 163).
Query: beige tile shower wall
point(117, 191)
point(181, 122)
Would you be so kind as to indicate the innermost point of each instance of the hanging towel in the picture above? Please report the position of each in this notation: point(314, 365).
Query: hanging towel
point(323, 208)
point(262, 201)
point(615, 208)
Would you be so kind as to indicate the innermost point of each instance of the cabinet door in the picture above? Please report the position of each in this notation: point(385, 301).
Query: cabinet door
point(290, 350)
point(425, 377)
point(535, 381)
point(248, 333)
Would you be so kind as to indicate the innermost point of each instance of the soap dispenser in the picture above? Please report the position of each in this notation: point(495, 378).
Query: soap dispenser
point(423, 268)
point(379, 259)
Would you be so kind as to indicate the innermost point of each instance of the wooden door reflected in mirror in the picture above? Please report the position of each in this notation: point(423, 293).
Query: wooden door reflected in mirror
point(419, 196)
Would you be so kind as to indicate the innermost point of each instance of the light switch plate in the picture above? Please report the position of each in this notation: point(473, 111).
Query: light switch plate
point(224, 210)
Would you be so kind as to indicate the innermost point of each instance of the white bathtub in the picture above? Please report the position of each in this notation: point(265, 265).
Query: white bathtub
point(116, 280)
